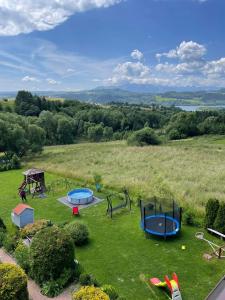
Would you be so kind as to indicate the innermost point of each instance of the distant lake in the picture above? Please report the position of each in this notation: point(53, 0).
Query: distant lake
point(199, 107)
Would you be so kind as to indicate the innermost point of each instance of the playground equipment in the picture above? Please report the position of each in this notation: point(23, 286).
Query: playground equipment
point(173, 285)
point(34, 179)
point(161, 220)
point(126, 202)
point(217, 250)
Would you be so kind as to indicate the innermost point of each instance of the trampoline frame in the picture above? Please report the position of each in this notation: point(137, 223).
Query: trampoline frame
point(149, 211)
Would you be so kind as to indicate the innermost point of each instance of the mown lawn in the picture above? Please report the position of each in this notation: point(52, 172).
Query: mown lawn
point(119, 252)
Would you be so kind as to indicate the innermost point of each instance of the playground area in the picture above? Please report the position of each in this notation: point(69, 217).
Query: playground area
point(119, 252)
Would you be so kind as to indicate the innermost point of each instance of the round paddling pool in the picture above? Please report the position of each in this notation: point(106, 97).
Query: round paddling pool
point(80, 196)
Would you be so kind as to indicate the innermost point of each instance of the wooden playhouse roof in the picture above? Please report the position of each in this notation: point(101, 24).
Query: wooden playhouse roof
point(20, 208)
point(33, 171)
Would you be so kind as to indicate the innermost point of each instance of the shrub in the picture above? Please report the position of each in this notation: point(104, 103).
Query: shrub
point(50, 288)
point(212, 207)
point(53, 288)
point(31, 229)
point(143, 137)
point(90, 293)
point(88, 279)
point(219, 223)
point(51, 252)
point(10, 242)
point(22, 256)
point(79, 233)
point(15, 162)
point(189, 218)
point(2, 237)
point(2, 225)
point(110, 291)
point(13, 283)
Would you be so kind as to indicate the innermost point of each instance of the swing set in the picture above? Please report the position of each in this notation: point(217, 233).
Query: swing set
point(126, 202)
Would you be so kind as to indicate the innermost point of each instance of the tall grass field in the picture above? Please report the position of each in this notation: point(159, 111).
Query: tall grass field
point(191, 170)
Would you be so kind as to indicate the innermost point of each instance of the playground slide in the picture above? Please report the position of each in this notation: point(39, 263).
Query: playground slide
point(173, 286)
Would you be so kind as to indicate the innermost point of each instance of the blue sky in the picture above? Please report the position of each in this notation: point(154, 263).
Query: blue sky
point(73, 45)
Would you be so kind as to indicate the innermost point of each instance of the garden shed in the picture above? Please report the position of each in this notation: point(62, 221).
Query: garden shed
point(22, 215)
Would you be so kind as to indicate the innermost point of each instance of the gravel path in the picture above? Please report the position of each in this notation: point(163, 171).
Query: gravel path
point(33, 288)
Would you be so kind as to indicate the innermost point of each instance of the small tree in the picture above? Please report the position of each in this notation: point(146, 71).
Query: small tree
point(13, 283)
point(97, 181)
point(211, 209)
point(219, 223)
point(90, 292)
point(51, 252)
point(95, 133)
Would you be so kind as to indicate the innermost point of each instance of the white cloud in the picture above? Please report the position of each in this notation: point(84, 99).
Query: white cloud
point(25, 16)
point(30, 78)
point(187, 69)
point(137, 54)
point(186, 51)
point(129, 72)
point(52, 81)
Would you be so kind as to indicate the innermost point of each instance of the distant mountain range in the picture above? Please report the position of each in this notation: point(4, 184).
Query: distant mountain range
point(107, 95)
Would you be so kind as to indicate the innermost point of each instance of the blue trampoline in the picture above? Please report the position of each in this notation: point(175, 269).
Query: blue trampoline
point(155, 221)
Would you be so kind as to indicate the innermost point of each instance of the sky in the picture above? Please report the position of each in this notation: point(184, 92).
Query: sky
point(70, 45)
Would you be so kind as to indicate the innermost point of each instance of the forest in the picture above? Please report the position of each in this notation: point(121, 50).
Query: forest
point(33, 122)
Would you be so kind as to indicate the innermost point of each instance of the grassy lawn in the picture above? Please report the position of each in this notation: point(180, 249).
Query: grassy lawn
point(119, 252)
point(192, 170)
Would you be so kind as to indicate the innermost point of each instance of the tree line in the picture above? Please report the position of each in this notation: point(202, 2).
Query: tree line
point(33, 122)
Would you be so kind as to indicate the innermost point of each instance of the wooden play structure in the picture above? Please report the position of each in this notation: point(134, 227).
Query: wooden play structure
point(218, 251)
point(34, 181)
point(126, 202)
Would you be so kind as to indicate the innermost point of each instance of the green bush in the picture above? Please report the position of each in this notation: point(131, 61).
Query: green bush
point(13, 283)
point(78, 232)
point(50, 289)
point(88, 279)
point(10, 242)
point(31, 229)
point(2, 237)
point(110, 291)
point(211, 210)
point(22, 256)
point(2, 225)
point(15, 162)
point(51, 252)
point(219, 223)
point(90, 293)
point(143, 137)
point(53, 288)
point(189, 218)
